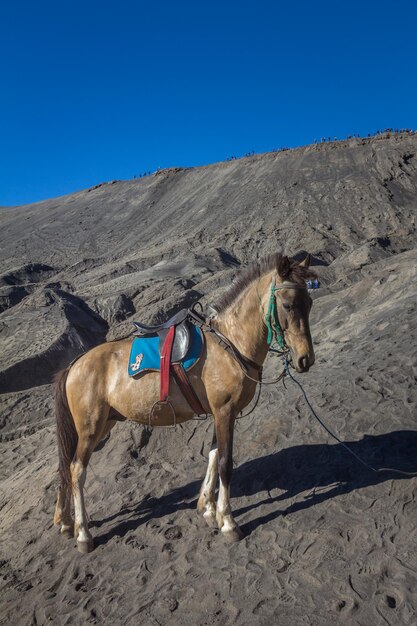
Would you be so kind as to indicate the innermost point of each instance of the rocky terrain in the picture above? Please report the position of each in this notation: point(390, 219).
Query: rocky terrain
point(326, 540)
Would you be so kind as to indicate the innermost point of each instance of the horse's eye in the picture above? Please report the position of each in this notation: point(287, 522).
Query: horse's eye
point(286, 307)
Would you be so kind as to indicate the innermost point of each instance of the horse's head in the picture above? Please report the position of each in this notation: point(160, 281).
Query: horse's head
point(293, 307)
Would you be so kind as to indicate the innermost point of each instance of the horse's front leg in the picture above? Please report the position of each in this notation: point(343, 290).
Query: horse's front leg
point(225, 421)
point(206, 501)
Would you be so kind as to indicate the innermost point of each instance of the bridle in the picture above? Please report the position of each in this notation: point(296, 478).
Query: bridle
point(273, 325)
point(275, 330)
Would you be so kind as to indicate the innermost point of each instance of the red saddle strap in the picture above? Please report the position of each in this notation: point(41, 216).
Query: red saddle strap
point(166, 364)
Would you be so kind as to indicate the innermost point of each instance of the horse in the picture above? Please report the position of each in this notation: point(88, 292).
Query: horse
point(267, 298)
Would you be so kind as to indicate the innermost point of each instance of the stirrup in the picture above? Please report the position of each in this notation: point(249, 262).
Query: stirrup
point(162, 403)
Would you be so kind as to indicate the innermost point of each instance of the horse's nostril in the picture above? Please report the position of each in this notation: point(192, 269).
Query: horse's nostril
point(304, 362)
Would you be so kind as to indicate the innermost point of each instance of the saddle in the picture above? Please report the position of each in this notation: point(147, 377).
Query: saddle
point(181, 341)
point(174, 343)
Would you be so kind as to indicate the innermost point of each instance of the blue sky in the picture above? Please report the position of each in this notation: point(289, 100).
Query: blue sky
point(94, 91)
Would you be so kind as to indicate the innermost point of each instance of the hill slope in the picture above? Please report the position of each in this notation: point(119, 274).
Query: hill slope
point(325, 538)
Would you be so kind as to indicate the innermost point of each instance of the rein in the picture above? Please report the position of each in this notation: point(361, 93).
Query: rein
point(244, 362)
point(276, 332)
point(376, 470)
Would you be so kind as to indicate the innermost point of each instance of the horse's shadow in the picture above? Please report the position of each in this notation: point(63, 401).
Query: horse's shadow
point(293, 471)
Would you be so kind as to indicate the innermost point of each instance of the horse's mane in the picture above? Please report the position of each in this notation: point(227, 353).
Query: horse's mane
point(287, 268)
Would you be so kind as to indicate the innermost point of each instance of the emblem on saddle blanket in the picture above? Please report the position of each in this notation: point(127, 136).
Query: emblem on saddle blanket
point(145, 356)
point(136, 365)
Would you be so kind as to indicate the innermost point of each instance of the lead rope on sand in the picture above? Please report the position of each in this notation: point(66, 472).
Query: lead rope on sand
point(342, 443)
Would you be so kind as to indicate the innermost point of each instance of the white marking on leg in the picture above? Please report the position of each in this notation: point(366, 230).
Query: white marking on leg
point(224, 512)
point(209, 486)
point(206, 500)
point(211, 475)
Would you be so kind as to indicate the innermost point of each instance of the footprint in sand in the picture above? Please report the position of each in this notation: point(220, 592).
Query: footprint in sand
point(389, 606)
point(173, 533)
point(265, 607)
point(345, 607)
point(135, 543)
point(285, 598)
point(410, 558)
point(266, 585)
point(371, 569)
point(292, 583)
point(333, 552)
point(279, 565)
point(83, 585)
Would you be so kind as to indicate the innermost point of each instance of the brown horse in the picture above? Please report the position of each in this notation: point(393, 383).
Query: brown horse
point(95, 391)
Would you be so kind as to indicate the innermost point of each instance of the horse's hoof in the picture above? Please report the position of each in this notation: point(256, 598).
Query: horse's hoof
point(232, 536)
point(67, 532)
point(210, 518)
point(85, 546)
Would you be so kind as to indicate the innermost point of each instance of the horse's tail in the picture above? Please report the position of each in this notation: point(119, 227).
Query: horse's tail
point(66, 434)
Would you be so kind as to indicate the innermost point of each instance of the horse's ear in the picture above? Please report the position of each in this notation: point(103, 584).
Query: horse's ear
point(306, 262)
point(284, 268)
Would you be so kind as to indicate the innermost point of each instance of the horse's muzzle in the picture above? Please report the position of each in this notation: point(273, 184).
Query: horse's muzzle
point(303, 363)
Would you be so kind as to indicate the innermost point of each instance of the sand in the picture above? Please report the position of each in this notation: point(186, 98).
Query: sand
point(326, 540)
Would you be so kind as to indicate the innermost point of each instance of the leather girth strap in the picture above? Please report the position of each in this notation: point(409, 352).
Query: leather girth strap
point(166, 364)
point(180, 376)
point(188, 392)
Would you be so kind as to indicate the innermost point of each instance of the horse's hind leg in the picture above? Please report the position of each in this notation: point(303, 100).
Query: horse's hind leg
point(63, 511)
point(78, 476)
point(206, 501)
point(85, 448)
point(82, 534)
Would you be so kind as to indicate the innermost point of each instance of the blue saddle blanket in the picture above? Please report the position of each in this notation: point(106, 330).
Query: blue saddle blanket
point(144, 354)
